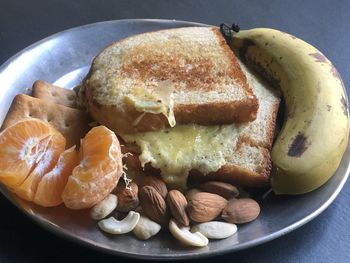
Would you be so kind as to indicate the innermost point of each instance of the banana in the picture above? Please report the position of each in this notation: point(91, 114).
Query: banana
point(315, 130)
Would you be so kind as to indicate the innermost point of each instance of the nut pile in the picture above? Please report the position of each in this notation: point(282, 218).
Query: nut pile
point(209, 211)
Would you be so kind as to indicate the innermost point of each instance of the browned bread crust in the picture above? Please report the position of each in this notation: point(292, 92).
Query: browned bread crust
point(237, 175)
point(215, 68)
point(267, 140)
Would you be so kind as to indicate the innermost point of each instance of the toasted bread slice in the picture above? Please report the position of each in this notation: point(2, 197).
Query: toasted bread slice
point(249, 162)
point(248, 166)
point(72, 123)
point(139, 83)
point(261, 131)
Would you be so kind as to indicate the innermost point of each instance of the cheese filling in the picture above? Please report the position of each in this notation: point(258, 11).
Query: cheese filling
point(176, 151)
point(153, 101)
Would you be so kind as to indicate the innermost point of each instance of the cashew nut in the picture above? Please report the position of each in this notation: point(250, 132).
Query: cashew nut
point(184, 235)
point(113, 226)
point(104, 208)
point(215, 229)
point(146, 228)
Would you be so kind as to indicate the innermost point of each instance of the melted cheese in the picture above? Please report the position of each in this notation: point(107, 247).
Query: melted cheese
point(152, 101)
point(176, 151)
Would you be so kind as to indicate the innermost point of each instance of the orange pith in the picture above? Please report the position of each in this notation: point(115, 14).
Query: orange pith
point(55, 146)
point(98, 172)
point(22, 148)
point(51, 186)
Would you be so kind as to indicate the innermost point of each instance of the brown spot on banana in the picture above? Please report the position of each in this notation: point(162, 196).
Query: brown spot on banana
point(335, 73)
point(344, 105)
point(298, 146)
point(329, 107)
point(319, 57)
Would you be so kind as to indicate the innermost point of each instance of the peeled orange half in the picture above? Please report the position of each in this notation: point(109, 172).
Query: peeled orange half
point(28, 149)
point(98, 172)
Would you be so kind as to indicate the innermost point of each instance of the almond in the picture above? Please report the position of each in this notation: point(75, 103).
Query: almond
point(225, 190)
point(156, 183)
point(239, 211)
point(127, 197)
point(205, 206)
point(153, 205)
point(190, 193)
point(177, 204)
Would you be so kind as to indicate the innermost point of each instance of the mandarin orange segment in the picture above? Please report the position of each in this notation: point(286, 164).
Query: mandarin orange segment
point(45, 163)
point(98, 172)
point(21, 146)
point(51, 186)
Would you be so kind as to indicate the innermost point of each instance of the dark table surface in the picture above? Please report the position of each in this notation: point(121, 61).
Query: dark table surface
point(325, 24)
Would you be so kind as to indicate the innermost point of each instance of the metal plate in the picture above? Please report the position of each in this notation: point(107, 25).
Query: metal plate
point(64, 59)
